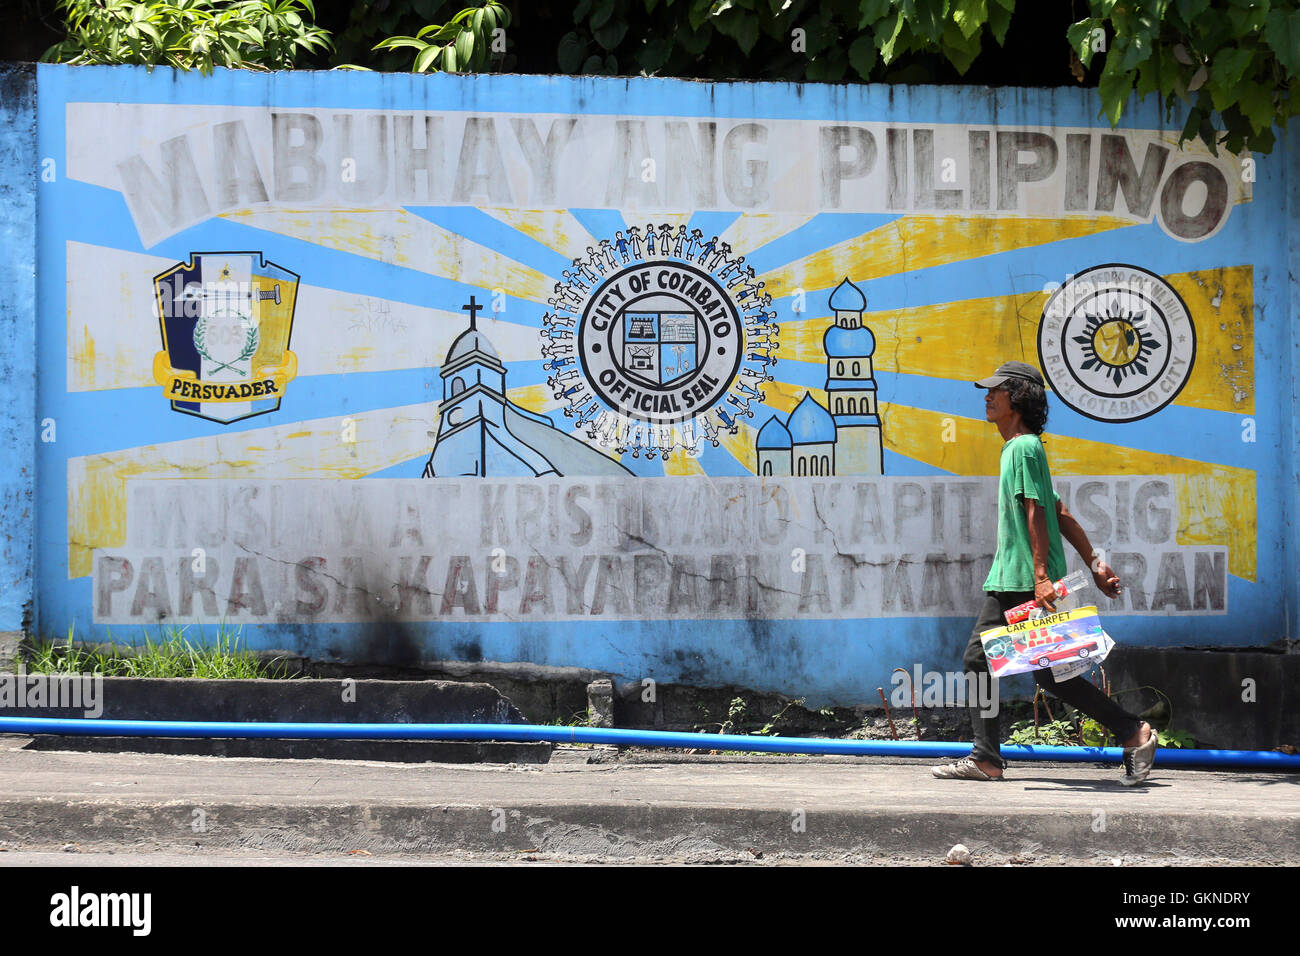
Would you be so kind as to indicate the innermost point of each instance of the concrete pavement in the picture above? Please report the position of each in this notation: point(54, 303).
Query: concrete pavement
point(637, 806)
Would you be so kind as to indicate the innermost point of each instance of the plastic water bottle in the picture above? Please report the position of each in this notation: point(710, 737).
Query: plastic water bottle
point(1071, 582)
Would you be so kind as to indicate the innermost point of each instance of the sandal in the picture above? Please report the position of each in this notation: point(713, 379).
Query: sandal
point(1138, 760)
point(963, 769)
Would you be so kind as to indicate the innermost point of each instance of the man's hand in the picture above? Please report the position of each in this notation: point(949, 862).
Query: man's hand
point(1106, 579)
point(1045, 593)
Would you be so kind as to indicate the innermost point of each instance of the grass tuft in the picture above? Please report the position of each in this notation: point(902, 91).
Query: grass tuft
point(173, 654)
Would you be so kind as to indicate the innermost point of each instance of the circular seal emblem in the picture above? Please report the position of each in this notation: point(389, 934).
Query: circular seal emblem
point(657, 341)
point(1116, 343)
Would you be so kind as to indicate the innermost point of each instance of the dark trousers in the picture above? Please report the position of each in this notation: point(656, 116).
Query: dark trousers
point(1078, 692)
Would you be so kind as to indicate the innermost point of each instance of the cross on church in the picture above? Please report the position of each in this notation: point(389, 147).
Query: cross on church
point(472, 307)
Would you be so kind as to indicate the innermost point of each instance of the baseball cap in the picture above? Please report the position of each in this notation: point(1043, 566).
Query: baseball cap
point(1010, 370)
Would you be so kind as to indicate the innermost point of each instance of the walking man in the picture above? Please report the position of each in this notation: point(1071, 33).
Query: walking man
point(1029, 559)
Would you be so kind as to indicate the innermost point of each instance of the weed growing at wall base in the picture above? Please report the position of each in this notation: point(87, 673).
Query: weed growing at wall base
point(172, 655)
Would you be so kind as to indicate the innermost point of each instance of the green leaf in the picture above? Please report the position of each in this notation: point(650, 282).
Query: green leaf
point(828, 68)
point(1137, 51)
point(1148, 78)
point(926, 18)
point(425, 58)
point(960, 50)
point(999, 21)
point(449, 63)
point(740, 26)
point(1255, 100)
point(887, 48)
point(611, 34)
point(1079, 36)
point(695, 43)
point(1282, 33)
point(601, 14)
point(873, 10)
point(862, 55)
point(970, 16)
point(654, 53)
point(699, 14)
point(464, 48)
point(570, 53)
point(1229, 65)
point(1114, 87)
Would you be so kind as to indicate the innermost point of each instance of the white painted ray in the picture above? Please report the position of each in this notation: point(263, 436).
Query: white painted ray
point(401, 238)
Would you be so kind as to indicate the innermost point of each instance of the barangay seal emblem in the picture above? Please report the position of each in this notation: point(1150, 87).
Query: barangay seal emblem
point(225, 318)
point(658, 341)
point(1116, 343)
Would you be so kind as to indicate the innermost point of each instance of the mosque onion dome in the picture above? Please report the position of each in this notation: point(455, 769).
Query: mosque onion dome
point(848, 298)
point(471, 340)
point(810, 423)
point(773, 435)
point(840, 342)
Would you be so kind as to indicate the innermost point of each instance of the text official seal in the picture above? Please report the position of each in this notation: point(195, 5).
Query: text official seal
point(1116, 343)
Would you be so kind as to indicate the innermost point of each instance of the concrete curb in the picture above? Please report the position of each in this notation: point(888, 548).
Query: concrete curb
point(294, 700)
point(400, 751)
point(633, 831)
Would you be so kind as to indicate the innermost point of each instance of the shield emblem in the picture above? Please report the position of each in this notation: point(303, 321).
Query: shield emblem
point(226, 319)
point(659, 347)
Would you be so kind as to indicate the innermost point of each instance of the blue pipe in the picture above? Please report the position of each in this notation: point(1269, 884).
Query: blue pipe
point(529, 733)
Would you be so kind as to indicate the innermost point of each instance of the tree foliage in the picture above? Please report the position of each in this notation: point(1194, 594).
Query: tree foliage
point(1234, 63)
point(1238, 59)
point(461, 45)
point(189, 34)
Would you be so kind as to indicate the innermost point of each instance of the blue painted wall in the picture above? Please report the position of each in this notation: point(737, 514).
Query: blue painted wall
point(380, 291)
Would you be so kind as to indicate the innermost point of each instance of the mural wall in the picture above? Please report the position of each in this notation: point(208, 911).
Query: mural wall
point(661, 378)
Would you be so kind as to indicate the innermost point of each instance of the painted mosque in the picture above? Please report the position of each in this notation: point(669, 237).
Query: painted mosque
point(844, 439)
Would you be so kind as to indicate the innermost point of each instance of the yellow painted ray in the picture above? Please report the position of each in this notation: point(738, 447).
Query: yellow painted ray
point(1222, 305)
point(536, 398)
point(557, 229)
point(786, 396)
point(918, 242)
point(306, 449)
point(679, 463)
point(966, 339)
point(1216, 503)
point(404, 239)
point(752, 231)
point(743, 446)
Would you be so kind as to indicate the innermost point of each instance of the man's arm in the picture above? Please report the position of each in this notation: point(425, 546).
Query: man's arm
point(1044, 588)
point(1073, 532)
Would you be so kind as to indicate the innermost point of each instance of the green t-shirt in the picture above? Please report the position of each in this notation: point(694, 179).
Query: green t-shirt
point(1023, 474)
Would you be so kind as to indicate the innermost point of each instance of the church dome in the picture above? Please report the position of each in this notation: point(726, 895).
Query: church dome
point(471, 340)
point(773, 435)
point(810, 423)
point(848, 298)
point(840, 342)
